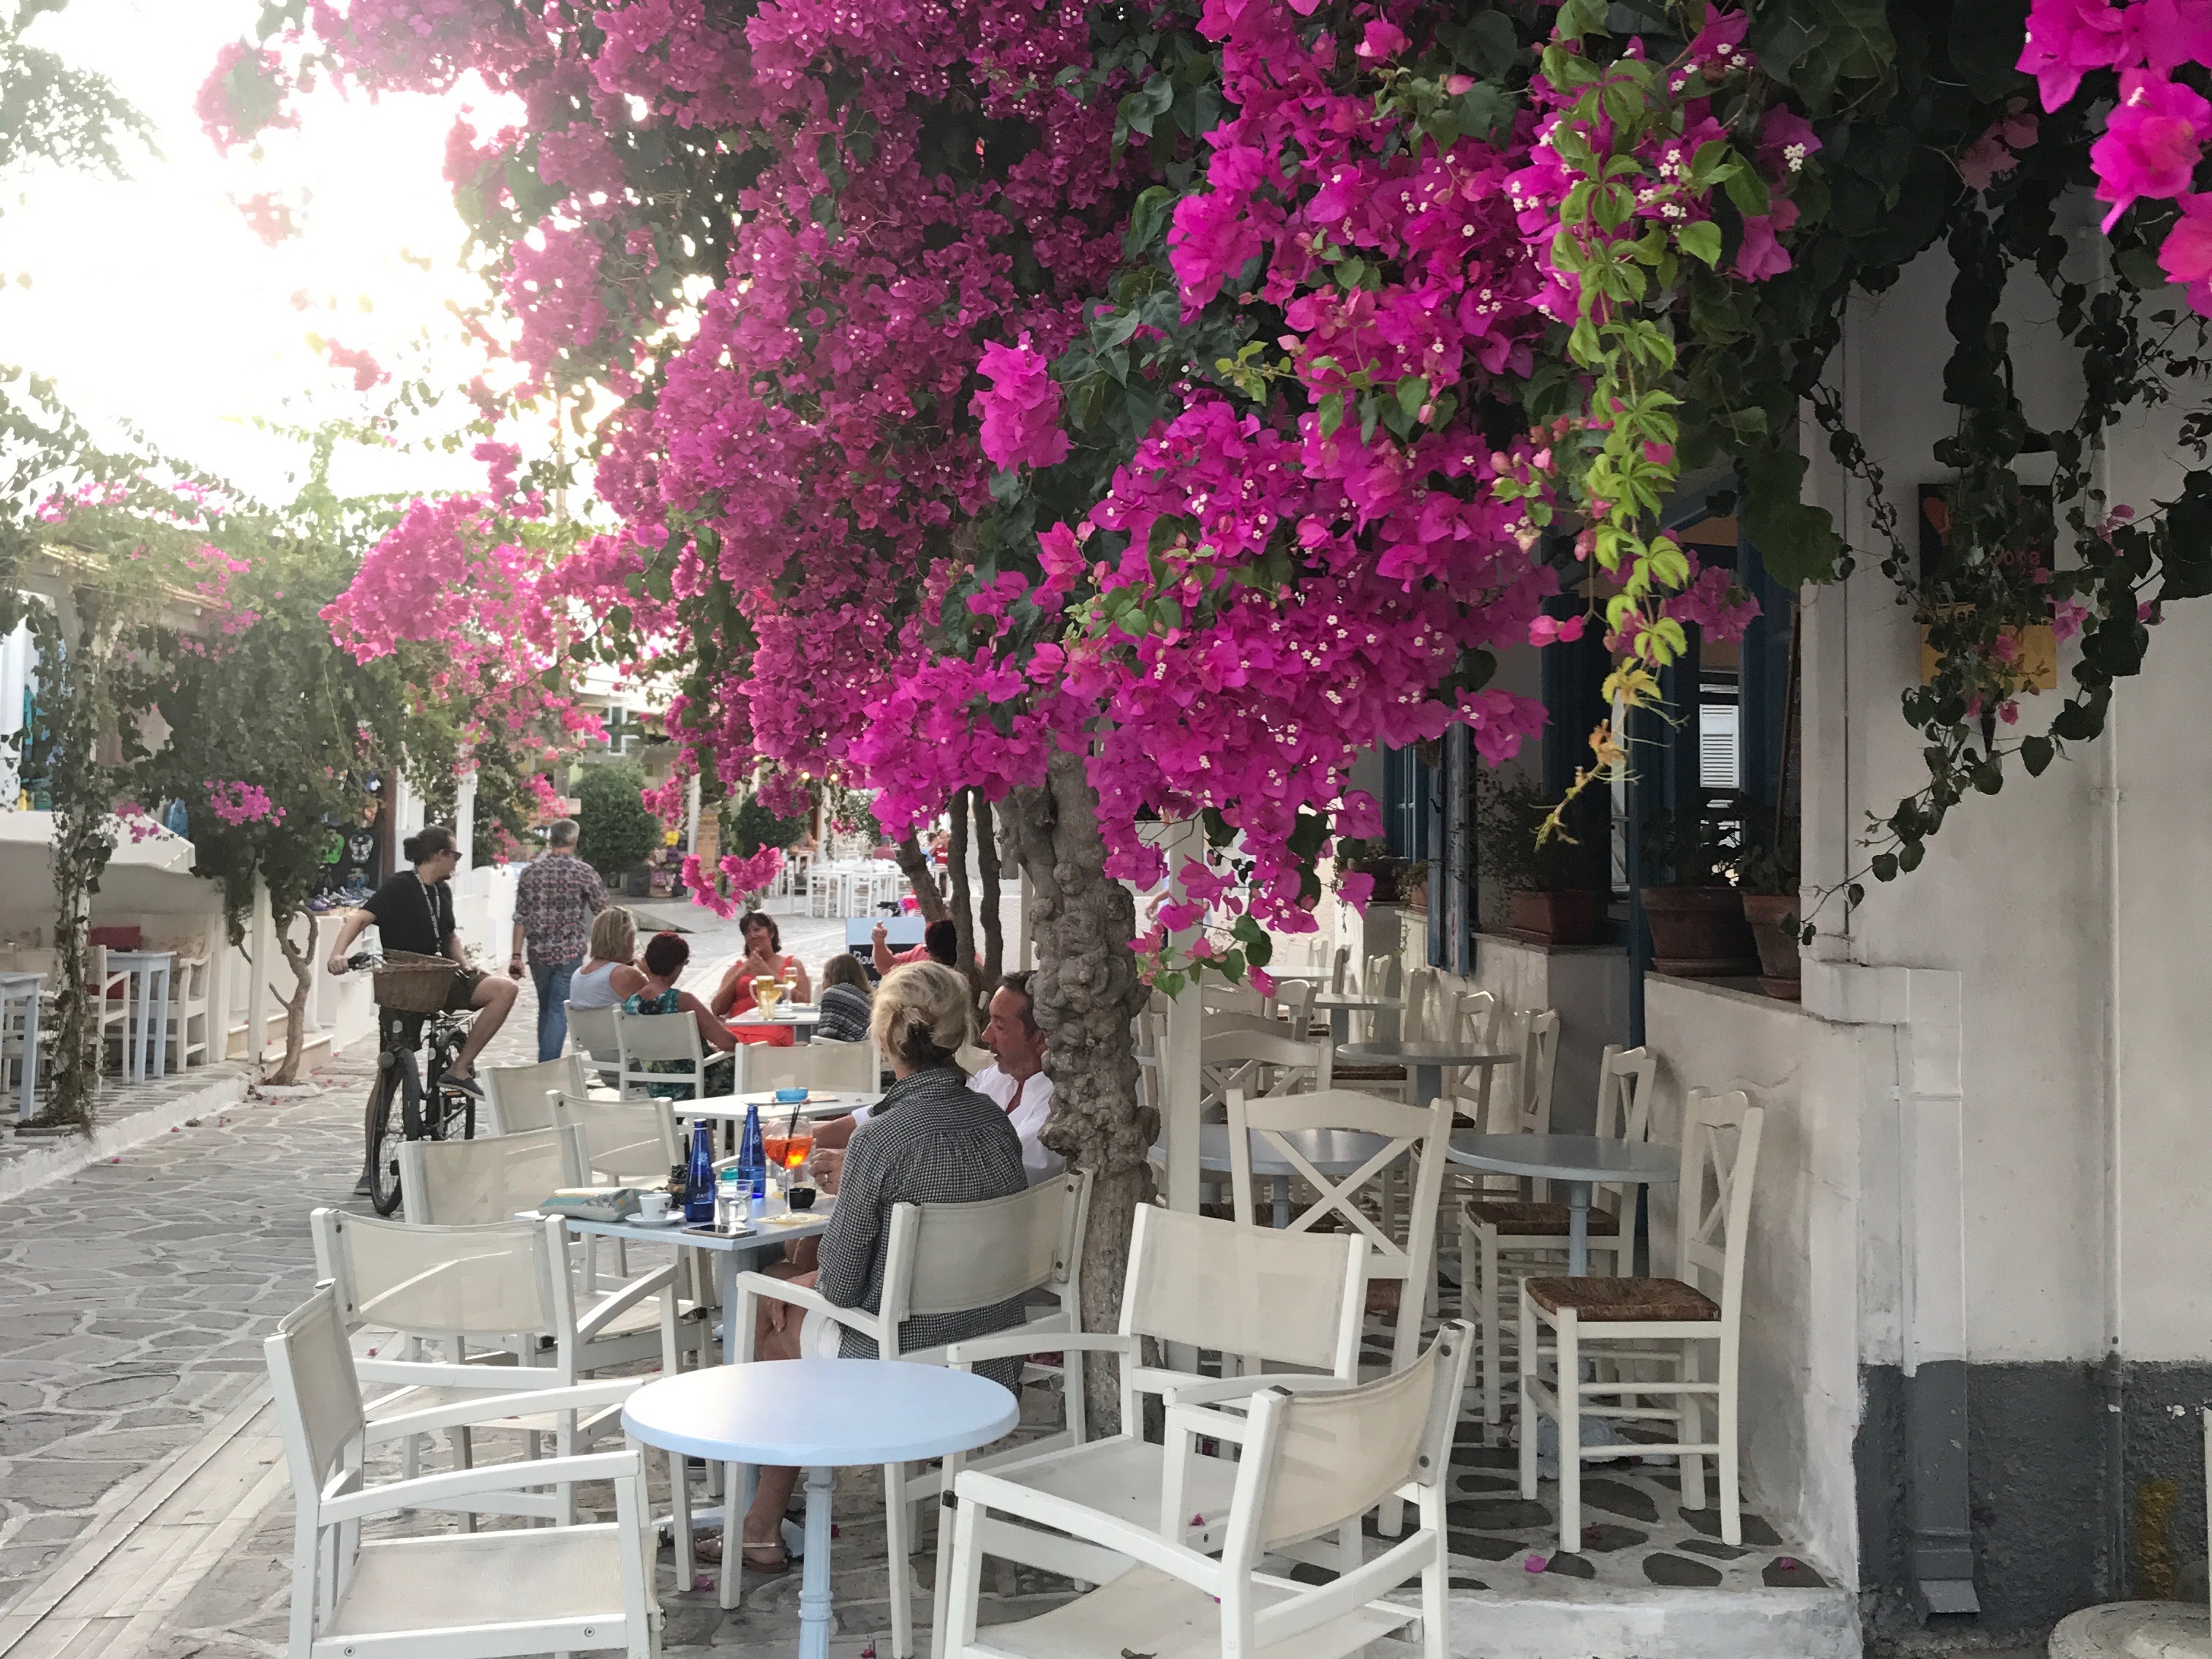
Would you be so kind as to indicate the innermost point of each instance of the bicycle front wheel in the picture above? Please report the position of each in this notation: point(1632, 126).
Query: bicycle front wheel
point(391, 1130)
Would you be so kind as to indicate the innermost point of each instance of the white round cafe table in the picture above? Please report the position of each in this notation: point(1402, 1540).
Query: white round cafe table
point(1426, 1061)
point(820, 1415)
point(1577, 1163)
point(1335, 1152)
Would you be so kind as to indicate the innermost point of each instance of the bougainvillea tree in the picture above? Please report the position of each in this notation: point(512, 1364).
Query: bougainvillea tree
point(1134, 412)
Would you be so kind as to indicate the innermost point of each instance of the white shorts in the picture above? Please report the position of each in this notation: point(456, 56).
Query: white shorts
point(819, 1335)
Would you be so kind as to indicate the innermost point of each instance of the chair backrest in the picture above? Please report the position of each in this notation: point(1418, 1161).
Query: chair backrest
point(947, 1258)
point(1423, 1000)
point(1623, 1110)
point(1230, 1000)
point(518, 1097)
point(1312, 1461)
point(1381, 979)
point(645, 1040)
point(1242, 1060)
point(1533, 1034)
point(1424, 1133)
point(316, 1394)
point(462, 1183)
point(1338, 968)
point(836, 1066)
point(1291, 1298)
point(1720, 1157)
point(592, 1038)
point(1294, 1003)
point(622, 1140)
point(494, 1281)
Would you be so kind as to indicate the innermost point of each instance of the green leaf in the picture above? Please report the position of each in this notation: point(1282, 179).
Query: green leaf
point(2035, 754)
point(1412, 393)
point(1884, 865)
point(1701, 240)
point(1149, 218)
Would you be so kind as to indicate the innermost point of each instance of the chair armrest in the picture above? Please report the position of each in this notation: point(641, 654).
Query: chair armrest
point(1235, 1390)
point(977, 1349)
point(1091, 1527)
point(469, 1483)
point(754, 1287)
point(582, 1396)
point(1206, 1423)
point(632, 1292)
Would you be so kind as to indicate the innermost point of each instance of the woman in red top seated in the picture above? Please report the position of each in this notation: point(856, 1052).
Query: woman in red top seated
point(763, 955)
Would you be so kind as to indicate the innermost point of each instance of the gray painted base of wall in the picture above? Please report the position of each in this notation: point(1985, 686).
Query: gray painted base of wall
point(2040, 1495)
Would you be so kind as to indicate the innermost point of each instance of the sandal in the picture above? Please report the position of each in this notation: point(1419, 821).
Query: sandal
point(708, 1551)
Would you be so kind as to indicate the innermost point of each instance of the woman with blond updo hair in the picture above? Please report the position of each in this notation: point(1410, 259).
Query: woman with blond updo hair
point(932, 1139)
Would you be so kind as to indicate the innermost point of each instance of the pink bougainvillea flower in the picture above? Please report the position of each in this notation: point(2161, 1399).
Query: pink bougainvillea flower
point(1554, 630)
point(2185, 256)
point(1382, 42)
point(1997, 150)
point(2066, 619)
point(1020, 410)
point(2151, 143)
point(2066, 38)
point(2171, 32)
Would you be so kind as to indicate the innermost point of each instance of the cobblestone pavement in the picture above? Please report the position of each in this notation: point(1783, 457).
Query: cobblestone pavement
point(136, 1292)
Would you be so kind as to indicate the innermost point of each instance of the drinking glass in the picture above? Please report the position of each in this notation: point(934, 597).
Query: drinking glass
point(798, 1147)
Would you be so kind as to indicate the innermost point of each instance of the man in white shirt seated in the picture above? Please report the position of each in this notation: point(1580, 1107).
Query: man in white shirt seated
point(1016, 1081)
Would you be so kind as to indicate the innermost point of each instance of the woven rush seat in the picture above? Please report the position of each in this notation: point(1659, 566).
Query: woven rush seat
point(1623, 1299)
point(1369, 1073)
point(1537, 1219)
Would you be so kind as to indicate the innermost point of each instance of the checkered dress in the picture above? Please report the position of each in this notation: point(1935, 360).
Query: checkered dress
point(932, 1140)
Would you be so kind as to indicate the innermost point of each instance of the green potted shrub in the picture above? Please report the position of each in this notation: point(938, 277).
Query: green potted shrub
point(1553, 883)
point(1695, 913)
point(1372, 857)
point(1766, 879)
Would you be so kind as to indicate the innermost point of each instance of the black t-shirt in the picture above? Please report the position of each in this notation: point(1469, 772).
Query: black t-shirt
point(411, 916)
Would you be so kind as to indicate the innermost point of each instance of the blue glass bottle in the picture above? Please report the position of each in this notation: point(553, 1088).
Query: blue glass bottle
point(699, 1177)
point(752, 1159)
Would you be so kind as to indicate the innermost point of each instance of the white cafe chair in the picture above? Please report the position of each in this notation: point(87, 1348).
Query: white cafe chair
point(504, 1287)
point(940, 1259)
point(519, 1098)
point(595, 1045)
point(1670, 1320)
point(645, 1040)
point(833, 1067)
point(1311, 1464)
point(1503, 1237)
point(448, 1596)
point(1256, 1295)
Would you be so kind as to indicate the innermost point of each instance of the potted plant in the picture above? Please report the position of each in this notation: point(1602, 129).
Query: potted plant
point(1766, 879)
point(1695, 916)
point(1372, 857)
point(1552, 891)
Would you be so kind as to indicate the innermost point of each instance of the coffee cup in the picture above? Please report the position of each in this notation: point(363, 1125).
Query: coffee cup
point(653, 1205)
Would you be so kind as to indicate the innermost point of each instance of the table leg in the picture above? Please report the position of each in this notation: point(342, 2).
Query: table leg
point(1339, 1026)
point(162, 1027)
point(134, 1028)
point(1428, 1083)
point(1578, 1203)
point(814, 1571)
point(30, 1056)
point(1282, 1189)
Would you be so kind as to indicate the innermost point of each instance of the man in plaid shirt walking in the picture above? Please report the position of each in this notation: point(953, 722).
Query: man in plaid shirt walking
point(554, 900)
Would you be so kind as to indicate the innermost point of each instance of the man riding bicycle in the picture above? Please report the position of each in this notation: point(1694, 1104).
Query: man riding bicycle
point(414, 911)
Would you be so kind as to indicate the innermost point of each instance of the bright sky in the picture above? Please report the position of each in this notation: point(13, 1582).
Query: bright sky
point(153, 301)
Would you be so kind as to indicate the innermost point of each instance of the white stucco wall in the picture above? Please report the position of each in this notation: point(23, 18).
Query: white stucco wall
point(1800, 1331)
point(2075, 919)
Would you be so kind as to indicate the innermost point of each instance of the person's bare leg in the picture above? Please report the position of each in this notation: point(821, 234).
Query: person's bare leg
point(495, 999)
point(772, 1484)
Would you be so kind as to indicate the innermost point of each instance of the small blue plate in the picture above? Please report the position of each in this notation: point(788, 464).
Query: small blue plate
point(790, 1096)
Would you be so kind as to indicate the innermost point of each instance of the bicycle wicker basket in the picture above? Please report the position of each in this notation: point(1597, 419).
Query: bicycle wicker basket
point(412, 984)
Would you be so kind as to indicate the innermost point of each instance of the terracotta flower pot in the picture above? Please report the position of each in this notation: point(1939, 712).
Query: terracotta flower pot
point(1699, 933)
point(1555, 918)
point(1774, 918)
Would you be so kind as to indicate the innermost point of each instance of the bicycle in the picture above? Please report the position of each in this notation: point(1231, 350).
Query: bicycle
point(429, 1107)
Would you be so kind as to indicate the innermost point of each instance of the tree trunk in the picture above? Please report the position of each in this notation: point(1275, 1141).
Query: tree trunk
point(987, 866)
point(963, 898)
point(302, 964)
point(1086, 991)
point(84, 840)
point(915, 863)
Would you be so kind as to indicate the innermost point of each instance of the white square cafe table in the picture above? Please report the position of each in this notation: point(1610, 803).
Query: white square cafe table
point(817, 1415)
